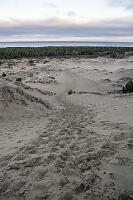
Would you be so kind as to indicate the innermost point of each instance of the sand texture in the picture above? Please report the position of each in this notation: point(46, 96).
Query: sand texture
point(55, 146)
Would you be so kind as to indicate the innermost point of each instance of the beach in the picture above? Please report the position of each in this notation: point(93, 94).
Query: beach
point(66, 130)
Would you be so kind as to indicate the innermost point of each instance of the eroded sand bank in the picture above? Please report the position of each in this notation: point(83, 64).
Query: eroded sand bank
point(57, 146)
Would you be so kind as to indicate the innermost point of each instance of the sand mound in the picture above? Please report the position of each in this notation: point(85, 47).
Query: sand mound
point(16, 94)
point(9, 94)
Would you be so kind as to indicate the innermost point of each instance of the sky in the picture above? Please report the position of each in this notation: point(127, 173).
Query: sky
point(66, 20)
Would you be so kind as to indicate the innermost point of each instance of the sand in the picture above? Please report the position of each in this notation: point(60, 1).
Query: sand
point(57, 146)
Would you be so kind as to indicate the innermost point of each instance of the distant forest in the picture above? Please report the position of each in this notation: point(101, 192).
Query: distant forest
point(30, 52)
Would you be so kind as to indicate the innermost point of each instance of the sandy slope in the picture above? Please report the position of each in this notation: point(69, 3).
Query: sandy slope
point(57, 146)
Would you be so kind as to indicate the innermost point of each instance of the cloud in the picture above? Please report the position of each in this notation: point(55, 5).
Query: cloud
point(130, 7)
point(52, 5)
point(58, 28)
point(126, 4)
point(71, 13)
point(116, 3)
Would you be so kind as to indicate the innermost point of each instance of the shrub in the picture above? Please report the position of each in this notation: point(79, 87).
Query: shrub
point(71, 92)
point(0, 63)
point(3, 74)
point(128, 87)
point(18, 79)
point(31, 61)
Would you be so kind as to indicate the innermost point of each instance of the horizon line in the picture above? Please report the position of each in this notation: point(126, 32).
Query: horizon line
point(82, 41)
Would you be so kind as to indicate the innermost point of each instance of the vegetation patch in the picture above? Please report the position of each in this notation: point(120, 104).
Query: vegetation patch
point(70, 92)
point(32, 52)
point(3, 74)
point(31, 62)
point(128, 87)
point(18, 79)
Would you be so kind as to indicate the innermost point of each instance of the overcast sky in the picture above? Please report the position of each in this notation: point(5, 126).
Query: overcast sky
point(91, 20)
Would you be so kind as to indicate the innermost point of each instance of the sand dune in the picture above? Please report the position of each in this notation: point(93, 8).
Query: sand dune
point(57, 146)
